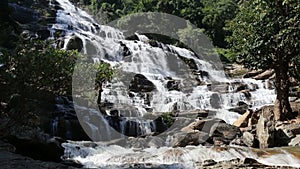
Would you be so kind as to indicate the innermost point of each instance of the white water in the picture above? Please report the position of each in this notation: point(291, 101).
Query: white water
point(155, 63)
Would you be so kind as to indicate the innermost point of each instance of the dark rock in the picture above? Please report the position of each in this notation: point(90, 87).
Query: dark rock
point(43, 34)
point(153, 43)
point(37, 145)
point(215, 101)
point(208, 163)
point(182, 139)
point(126, 50)
point(23, 14)
point(226, 131)
point(141, 84)
point(241, 109)
point(246, 93)
point(173, 85)
point(9, 160)
point(75, 43)
point(241, 87)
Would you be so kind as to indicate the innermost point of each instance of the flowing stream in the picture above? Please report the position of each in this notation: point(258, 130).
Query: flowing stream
point(171, 85)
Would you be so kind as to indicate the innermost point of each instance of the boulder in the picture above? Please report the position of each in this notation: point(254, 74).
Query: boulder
point(265, 75)
point(243, 120)
point(248, 139)
point(252, 73)
point(173, 85)
point(226, 131)
point(215, 101)
point(75, 43)
point(126, 50)
point(219, 88)
point(241, 109)
point(140, 83)
point(182, 139)
point(265, 128)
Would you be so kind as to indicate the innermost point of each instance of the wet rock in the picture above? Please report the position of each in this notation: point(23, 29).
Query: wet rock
point(246, 93)
point(265, 75)
point(75, 43)
point(173, 85)
point(215, 101)
point(241, 109)
point(226, 131)
point(219, 88)
point(241, 87)
point(265, 128)
point(126, 50)
point(141, 84)
point(182, 139)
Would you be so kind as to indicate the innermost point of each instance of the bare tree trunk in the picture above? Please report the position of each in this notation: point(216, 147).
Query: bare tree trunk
point(282, 105)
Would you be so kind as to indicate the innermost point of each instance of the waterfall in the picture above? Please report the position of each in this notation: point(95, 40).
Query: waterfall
point(171, 84)
point(153, 79)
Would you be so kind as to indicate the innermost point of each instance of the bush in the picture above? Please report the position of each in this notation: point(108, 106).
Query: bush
point(37, 66)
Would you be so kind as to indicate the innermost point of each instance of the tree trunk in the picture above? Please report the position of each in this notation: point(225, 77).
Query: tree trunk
point(282, 105)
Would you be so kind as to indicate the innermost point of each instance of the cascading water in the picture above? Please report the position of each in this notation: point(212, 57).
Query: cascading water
point(169, 87)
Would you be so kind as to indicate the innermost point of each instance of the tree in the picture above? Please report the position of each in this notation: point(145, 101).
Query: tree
point(266, 34)
point(216, 13)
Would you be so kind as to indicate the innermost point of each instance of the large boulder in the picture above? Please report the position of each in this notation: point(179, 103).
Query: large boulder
point(248, 139)
point(140, 83)
point(182, 139)
point(265, 128)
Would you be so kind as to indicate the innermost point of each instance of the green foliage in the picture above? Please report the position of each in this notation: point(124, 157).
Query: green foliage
point(36, 66)
point(216, 14)
point(168, 118)
point(265, 32)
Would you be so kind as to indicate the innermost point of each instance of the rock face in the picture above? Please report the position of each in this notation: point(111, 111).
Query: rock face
point(140, 83)
point(265, 128)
